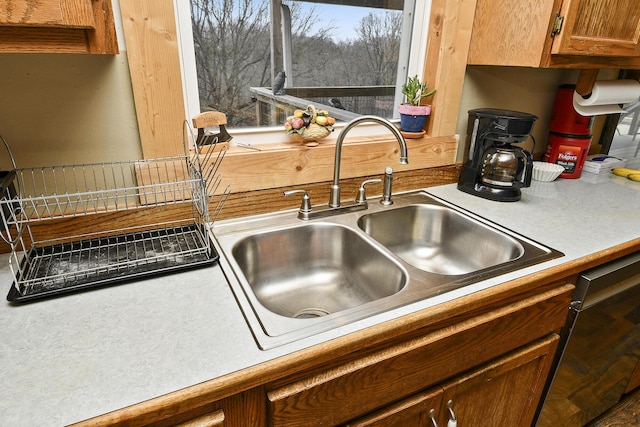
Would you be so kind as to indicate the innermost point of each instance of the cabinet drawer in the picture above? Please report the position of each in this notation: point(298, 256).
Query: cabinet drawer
point(356, 388)
point(214, 419)
point(413, 411)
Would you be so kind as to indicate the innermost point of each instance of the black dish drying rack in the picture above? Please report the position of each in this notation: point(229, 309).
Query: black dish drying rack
point(179, 188)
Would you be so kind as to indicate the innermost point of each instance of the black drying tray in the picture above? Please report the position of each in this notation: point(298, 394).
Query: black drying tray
point(71, 267)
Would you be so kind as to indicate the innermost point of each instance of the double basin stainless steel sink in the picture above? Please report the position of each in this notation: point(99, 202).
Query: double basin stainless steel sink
point(294, 279)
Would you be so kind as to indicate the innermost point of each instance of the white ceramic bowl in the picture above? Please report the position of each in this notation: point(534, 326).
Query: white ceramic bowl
point(546, 172)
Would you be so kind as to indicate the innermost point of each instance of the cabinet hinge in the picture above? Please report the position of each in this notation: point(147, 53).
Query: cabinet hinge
point(557, 24)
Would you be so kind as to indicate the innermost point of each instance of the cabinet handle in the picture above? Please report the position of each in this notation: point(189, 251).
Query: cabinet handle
point(432, 417)
point(452, 417)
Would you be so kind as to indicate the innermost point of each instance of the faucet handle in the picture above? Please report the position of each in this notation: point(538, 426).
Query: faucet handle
point(305, 204)
point(362, 197)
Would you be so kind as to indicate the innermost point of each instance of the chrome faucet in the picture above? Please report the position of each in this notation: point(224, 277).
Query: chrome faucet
point(306, 212)
point(334, 197)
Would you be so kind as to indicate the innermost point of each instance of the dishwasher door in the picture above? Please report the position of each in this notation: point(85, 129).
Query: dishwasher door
point(603, 347)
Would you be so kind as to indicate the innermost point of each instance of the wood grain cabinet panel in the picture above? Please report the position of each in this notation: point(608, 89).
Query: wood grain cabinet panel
point(556, 33)
point(56, 13)
point(599, 27)
point(502, 393)
point(57, 26)
point(351, 390)
point(214, 419)
point(511, 33)
point(414, 411)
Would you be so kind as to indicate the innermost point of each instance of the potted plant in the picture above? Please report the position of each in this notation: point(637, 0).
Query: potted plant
point(413, 116)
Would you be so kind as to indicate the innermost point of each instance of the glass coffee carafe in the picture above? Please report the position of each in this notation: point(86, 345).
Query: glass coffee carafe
point(506, 166)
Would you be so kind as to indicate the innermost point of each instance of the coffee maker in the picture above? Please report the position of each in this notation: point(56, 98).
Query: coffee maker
point(496, 170)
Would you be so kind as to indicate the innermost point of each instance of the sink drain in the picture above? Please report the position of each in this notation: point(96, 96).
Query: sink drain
point(309, 313)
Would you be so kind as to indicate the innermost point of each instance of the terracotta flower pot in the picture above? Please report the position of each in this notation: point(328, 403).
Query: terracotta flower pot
point(413, 117)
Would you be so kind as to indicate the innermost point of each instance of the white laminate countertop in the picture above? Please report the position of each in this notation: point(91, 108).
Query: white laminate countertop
point(71, 358)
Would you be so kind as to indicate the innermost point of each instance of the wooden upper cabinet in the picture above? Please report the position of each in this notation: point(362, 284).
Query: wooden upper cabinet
point(556, 33)
point(599, 27)
point(57, 13)
point(510, 33)
point(63, 26)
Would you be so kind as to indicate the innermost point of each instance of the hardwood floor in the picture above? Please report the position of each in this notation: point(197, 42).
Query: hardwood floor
point(624, 414)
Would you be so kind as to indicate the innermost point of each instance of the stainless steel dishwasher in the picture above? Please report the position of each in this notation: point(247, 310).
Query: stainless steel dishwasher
point(600, 345)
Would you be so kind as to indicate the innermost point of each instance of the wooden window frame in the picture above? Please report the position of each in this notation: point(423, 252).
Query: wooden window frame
point(154, 60)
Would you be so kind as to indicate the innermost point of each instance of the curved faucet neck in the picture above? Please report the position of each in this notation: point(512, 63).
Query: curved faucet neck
point(335, 188)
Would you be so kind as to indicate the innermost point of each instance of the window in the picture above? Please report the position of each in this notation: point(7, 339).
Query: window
point(623, 132)
point(349, 55)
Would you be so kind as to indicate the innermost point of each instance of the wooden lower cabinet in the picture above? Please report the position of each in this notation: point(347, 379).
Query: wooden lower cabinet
point(507, 389)
point(502, 393)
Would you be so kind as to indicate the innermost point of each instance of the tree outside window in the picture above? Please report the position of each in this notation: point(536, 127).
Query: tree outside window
point(232, 41)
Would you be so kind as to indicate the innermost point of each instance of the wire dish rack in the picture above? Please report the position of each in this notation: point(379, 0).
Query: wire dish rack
point(143, 217)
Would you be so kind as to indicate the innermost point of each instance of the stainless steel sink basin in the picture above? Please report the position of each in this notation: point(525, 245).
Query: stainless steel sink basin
point(316, 269)
point(295, 279)
point(440, 240)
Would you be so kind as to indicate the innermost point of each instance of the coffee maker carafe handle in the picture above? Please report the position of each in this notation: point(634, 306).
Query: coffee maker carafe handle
point(524, 170)
point(528, 170)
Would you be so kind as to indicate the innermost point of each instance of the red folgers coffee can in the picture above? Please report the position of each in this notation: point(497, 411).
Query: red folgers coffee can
point(568, 151)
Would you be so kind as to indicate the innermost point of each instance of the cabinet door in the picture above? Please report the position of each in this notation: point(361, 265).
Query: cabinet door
point(57, 26)
point(599, 27)
point(504, 393)
point(507, 32)
point(50, 13)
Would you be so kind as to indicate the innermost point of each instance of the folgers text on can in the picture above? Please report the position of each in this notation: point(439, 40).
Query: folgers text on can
point(568, 151)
